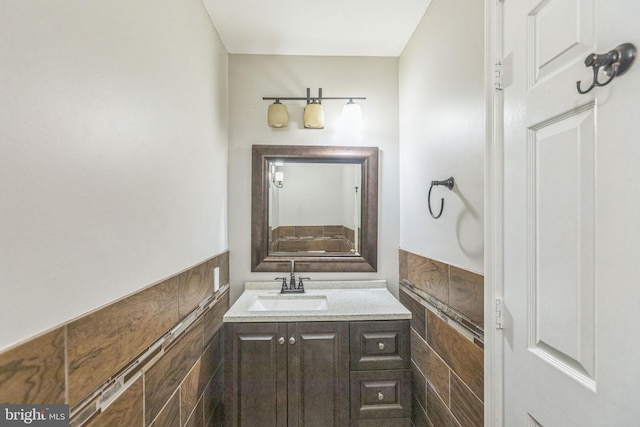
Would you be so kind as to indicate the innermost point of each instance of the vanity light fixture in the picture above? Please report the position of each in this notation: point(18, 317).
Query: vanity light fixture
point(278, 115)
point(351, 113)
point(313, 111)
point(278, 179)
point(277, 176)
point(314, 115)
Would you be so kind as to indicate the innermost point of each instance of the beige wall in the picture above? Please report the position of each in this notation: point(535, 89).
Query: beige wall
point(442, 134)
point(113, 143)
point(252, 77)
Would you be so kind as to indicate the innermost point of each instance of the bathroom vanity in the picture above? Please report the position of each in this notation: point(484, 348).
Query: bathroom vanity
point(337, 355)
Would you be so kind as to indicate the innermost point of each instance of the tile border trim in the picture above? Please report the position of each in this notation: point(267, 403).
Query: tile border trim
point(457, 320)
point(109, 391)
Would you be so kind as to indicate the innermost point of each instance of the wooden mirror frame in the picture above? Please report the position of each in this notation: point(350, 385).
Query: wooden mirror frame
point(367, 157)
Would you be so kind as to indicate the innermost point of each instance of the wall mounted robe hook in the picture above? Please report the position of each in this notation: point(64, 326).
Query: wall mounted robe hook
point(449, 183)
point(613, 63)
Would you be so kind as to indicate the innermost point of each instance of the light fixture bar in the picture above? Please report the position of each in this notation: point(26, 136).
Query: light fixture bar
point(309, 98)
point(284, 98)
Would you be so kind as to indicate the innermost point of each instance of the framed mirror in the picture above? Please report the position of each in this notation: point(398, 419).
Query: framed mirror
point(317, 205)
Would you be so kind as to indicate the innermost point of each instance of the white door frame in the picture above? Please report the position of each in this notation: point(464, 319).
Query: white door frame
point(493, 223)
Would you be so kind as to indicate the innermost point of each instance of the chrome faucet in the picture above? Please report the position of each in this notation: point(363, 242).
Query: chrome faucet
point(292, 288)
point(292, 276)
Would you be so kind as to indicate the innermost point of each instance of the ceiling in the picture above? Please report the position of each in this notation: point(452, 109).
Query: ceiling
point(321, 27)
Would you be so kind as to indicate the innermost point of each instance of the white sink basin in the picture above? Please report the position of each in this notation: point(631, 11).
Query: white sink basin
point(289, 303)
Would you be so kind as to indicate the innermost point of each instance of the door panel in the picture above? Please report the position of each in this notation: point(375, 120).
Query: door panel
point(319, 374)
point(560, 267)
point(571, 200)
point(561, 32)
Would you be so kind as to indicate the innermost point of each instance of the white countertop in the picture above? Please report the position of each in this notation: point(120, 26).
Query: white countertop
point(346, 300)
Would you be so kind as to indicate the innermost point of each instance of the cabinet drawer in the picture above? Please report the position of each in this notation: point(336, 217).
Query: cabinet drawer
point(380, 345)
point(381, 394)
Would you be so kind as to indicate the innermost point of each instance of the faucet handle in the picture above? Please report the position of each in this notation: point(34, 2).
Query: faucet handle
point(284, 281)
point(300, 284)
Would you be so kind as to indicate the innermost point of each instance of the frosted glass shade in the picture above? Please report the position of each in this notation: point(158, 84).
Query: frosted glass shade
point(278, 116)
point(351, 115)
point(279, 178)
point(314, 116)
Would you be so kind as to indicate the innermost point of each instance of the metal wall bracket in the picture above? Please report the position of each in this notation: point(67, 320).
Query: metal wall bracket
point(449, 183)
point(613, 63)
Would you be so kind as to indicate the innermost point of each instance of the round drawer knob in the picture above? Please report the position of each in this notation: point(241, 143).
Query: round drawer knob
point(292, 340)
point(380, 346)
point(380, 396)
point(281, 340)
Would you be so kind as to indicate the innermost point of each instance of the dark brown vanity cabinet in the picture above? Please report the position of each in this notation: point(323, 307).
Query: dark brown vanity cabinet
point(287, 374)
point(318, 374)
point(380, 373)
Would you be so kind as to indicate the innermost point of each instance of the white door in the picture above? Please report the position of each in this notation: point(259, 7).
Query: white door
point(571, 196)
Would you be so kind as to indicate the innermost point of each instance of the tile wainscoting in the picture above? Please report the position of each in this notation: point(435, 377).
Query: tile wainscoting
point(160, 374)
point(446, 341)
point(323, 238)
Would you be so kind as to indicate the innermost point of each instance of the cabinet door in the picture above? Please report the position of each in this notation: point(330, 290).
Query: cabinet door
point(255, 375)
point(318, 374)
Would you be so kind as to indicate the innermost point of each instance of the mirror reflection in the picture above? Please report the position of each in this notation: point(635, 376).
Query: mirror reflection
point(314, 208)
point(316, 205)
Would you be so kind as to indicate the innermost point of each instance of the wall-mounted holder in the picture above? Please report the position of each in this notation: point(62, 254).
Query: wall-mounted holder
point(613, 63)
point(449, 183)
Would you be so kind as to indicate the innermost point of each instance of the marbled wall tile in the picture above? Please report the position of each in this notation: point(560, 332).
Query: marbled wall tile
point(214, 395)
point(103, 342)
point(34, 371)
point(126, 410)
point(286, 231)
point(466, 294)
point(437, 410)
point(196, 418)
point(429, 276)
point(194, 285)
point(217, 418)
point(419, 384)
point(310, 230)
point(403, 265)
point(418, 415)
point(290, 246)
point(333, 230)
point(420, 353)
point(350, 234)
point(213, 317)
point(462, 355)
point(167, 374)
point(169, 416)
point(465, 406)
point(433, 368)
point(190, 391)
point(417, 312)
point(211, 358)
point(199, 377)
